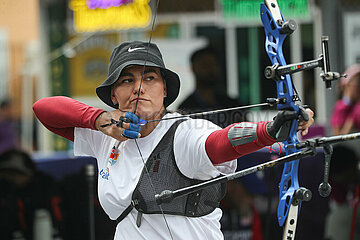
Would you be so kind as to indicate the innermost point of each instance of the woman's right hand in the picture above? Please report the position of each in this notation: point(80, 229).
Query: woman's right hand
point(125, 129)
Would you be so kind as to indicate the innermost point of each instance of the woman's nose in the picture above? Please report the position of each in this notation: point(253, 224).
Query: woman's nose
point(138, 86)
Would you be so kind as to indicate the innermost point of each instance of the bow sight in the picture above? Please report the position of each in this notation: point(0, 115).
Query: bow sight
point(276, 71)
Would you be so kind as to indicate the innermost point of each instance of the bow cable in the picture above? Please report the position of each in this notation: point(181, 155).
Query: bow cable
point(269, 102)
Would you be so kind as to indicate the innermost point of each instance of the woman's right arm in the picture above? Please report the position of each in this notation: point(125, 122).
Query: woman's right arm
point(62, 114)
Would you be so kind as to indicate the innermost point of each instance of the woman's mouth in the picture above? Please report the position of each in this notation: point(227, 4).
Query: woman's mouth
point(139, 99)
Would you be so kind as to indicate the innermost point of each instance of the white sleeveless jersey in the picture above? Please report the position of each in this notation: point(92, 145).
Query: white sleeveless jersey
point(118, 178)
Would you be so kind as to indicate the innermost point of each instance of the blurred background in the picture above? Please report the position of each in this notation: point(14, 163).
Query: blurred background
point(62, 47)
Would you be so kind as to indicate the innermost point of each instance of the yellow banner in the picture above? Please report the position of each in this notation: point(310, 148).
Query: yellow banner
point(132, 15)
point(90, 66)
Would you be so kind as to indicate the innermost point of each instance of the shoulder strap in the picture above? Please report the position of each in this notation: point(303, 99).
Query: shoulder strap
point(124, 214)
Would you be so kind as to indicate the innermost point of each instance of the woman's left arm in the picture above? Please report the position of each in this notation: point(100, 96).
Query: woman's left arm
point(250, 137)
point(243, 138)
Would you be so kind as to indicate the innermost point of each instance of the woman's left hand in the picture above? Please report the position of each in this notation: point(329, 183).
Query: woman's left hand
point(280, 132)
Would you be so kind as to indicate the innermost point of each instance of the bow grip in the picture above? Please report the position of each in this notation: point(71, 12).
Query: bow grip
point(285, 130)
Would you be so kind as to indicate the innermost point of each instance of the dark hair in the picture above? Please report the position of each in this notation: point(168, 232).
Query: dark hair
point(201, 52)
point(5, 103)
point(15, 154)
point(343, 159)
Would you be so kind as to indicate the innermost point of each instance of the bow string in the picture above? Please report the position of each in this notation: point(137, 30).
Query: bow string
point(136, 104)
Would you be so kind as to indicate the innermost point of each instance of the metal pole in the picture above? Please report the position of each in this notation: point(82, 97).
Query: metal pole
point(90, 179)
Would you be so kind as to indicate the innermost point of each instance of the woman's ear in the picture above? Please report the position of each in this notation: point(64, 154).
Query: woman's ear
point(165, 90)
point(113, 98)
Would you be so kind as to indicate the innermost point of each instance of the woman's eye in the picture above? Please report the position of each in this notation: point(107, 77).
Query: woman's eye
point(127, 80)
point(148, 78)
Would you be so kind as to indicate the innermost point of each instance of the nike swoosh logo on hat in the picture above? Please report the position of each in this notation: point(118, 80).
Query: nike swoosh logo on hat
point(134, 49)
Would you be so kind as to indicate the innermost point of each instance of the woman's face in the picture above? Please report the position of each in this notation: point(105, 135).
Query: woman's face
point(352, 89)
point(125, 91)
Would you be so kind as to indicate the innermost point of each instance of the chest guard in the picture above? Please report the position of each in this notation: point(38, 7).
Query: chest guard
point(165, 175)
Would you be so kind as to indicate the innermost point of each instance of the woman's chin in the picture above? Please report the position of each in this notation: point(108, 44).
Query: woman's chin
point(148, 115)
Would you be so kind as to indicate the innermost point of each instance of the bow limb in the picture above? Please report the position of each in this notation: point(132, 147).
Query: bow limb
point(276, 32)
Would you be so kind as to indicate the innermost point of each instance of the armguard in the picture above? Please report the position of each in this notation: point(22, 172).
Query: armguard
point(242, 133)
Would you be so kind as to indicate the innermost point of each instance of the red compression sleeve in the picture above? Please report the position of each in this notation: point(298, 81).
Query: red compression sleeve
point(62, 114)
point(220, 150)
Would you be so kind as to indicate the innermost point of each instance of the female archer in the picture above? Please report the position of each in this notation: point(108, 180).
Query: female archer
point(138, 158)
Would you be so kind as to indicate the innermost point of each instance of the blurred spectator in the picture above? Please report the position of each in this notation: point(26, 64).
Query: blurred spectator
point(313, 213)
point(240, 220)
point(346, 114)
point(7, 129)
point(25, 191)
point(208, 94)
point(75, 202)
point(344, 177)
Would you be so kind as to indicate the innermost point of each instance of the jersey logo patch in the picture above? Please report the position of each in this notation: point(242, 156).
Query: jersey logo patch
point(104, 174)
point(114, 154)
point(153, 163)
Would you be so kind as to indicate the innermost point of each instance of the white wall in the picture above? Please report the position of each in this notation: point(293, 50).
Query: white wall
point(4, 66)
